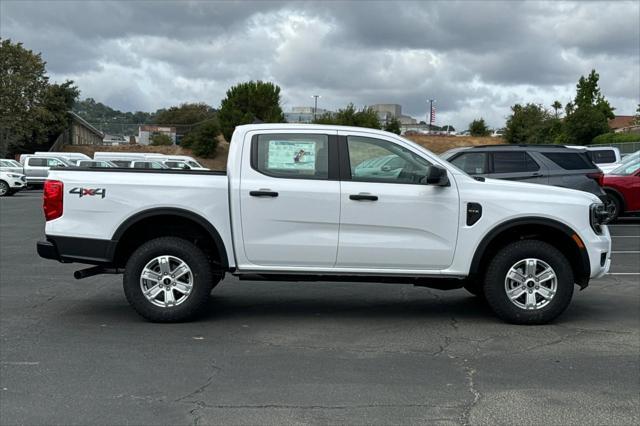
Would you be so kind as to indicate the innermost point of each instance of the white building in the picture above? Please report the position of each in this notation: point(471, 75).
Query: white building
point(145, 133)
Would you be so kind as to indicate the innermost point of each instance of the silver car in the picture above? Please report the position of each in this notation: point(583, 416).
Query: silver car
point(36, 167)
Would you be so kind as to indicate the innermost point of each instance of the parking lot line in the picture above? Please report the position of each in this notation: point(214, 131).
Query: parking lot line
point(626, 251)
point(625, 236)
point(623, 273)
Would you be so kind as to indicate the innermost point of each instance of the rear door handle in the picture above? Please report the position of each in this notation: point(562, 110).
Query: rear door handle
point(263, 193)
point(363, 197)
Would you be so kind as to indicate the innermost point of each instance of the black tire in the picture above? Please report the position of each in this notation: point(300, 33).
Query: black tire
point(203, 279)
point(5, 189)
point(616, 202)
point(494, 286)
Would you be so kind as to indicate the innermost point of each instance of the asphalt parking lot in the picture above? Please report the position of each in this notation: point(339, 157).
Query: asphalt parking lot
point(74, 352)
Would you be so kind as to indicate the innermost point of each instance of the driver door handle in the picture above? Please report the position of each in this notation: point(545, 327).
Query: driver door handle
point(263, 193)
point(363, 197)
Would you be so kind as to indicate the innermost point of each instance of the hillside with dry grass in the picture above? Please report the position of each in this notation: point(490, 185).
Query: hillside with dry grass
point(439, 144)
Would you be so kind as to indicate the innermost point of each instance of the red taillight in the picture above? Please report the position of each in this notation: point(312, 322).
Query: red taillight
point(52, 196)
point(598, 177)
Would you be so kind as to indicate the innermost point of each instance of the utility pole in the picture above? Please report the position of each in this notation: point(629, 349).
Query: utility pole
point(431, 101)
point(315, 105)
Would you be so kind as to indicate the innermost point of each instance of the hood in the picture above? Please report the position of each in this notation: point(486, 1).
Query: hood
point(540, 191)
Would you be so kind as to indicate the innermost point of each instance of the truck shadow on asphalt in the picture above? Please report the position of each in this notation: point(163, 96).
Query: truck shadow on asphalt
point(299, 308)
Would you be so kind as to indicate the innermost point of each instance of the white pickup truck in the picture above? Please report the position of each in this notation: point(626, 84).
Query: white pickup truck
point(326, 203)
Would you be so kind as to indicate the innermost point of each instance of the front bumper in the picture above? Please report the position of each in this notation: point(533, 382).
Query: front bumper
point(599, 250)
point(17, 184)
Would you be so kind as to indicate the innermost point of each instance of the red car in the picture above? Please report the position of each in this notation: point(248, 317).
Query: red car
point(623, 187)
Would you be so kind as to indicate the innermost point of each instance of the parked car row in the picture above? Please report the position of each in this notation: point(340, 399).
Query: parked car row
point(33, 169)
point(565, 166)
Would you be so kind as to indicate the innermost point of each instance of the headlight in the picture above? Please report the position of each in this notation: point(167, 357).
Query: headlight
point(14, 176)
point(598, 216)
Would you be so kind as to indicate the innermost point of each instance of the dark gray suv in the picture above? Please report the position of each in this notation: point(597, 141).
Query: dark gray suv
point(554, 165)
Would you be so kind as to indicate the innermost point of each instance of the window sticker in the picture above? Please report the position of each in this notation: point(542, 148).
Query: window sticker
point(292, 155)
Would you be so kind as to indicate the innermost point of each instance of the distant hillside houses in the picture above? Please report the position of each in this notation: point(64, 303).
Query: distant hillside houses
point(304, 114)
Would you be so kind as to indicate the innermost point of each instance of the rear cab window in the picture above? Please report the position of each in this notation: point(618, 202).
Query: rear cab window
point(37, 162)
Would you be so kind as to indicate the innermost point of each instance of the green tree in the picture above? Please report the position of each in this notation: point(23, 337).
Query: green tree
point(588, 115)
point(33, 112)
point(636, 118)
point(479, 128)
point(160, 139)
point(531, 124)
point(185, 114)
point(203, 139)
point(249, 102)
point(393, 126)
point(350, 116)
point(23, 83)
point(556, 105)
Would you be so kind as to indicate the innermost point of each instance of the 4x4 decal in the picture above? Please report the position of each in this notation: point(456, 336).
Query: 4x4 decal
point(83, 192)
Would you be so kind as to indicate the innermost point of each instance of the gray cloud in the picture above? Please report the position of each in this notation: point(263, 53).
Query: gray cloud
point(476, 58)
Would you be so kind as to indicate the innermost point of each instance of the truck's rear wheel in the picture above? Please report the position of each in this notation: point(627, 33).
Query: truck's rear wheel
point(168, 279)
point(529, 282)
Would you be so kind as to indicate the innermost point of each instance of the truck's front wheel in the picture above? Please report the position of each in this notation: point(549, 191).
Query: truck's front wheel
point(168, 279)
point(529, 282)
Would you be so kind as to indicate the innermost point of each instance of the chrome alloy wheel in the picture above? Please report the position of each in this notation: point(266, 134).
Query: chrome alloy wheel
point(166, 281)
point(531, 284)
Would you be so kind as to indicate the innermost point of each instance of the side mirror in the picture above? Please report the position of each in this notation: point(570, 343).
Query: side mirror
point(437, 175)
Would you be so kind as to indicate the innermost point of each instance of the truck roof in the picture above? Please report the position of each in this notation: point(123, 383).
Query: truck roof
point(298, 126)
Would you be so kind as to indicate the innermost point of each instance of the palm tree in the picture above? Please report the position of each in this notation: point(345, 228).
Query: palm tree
point(556, 105)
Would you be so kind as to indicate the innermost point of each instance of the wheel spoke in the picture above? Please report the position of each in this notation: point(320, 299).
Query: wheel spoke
point(530, 269)
point(164, 265)
point(168, 297)
point(531, 300)
point(516, 276)
point(180, 270)
point(545, 275)
point(148, 274)
point(547, 293)
point(153, 292)
point(183, 287)
point(515, 293)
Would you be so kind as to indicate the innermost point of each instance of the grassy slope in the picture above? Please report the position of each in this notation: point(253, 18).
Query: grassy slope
point(440, 144)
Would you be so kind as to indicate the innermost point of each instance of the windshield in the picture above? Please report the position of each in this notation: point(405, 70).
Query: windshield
point(627, 169)
point(193, 164)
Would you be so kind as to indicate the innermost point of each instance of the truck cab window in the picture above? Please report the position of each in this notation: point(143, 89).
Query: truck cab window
point(302, 156)
point(378, 160)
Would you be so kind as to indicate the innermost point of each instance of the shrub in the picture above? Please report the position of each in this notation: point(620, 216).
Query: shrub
point(160, 139)
point(479, 128)
point(616, 138)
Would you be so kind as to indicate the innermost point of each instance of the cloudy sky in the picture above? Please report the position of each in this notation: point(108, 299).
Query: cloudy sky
point(475, 58)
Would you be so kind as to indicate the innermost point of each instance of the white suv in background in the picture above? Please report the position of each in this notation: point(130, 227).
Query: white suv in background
point(11, 182)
